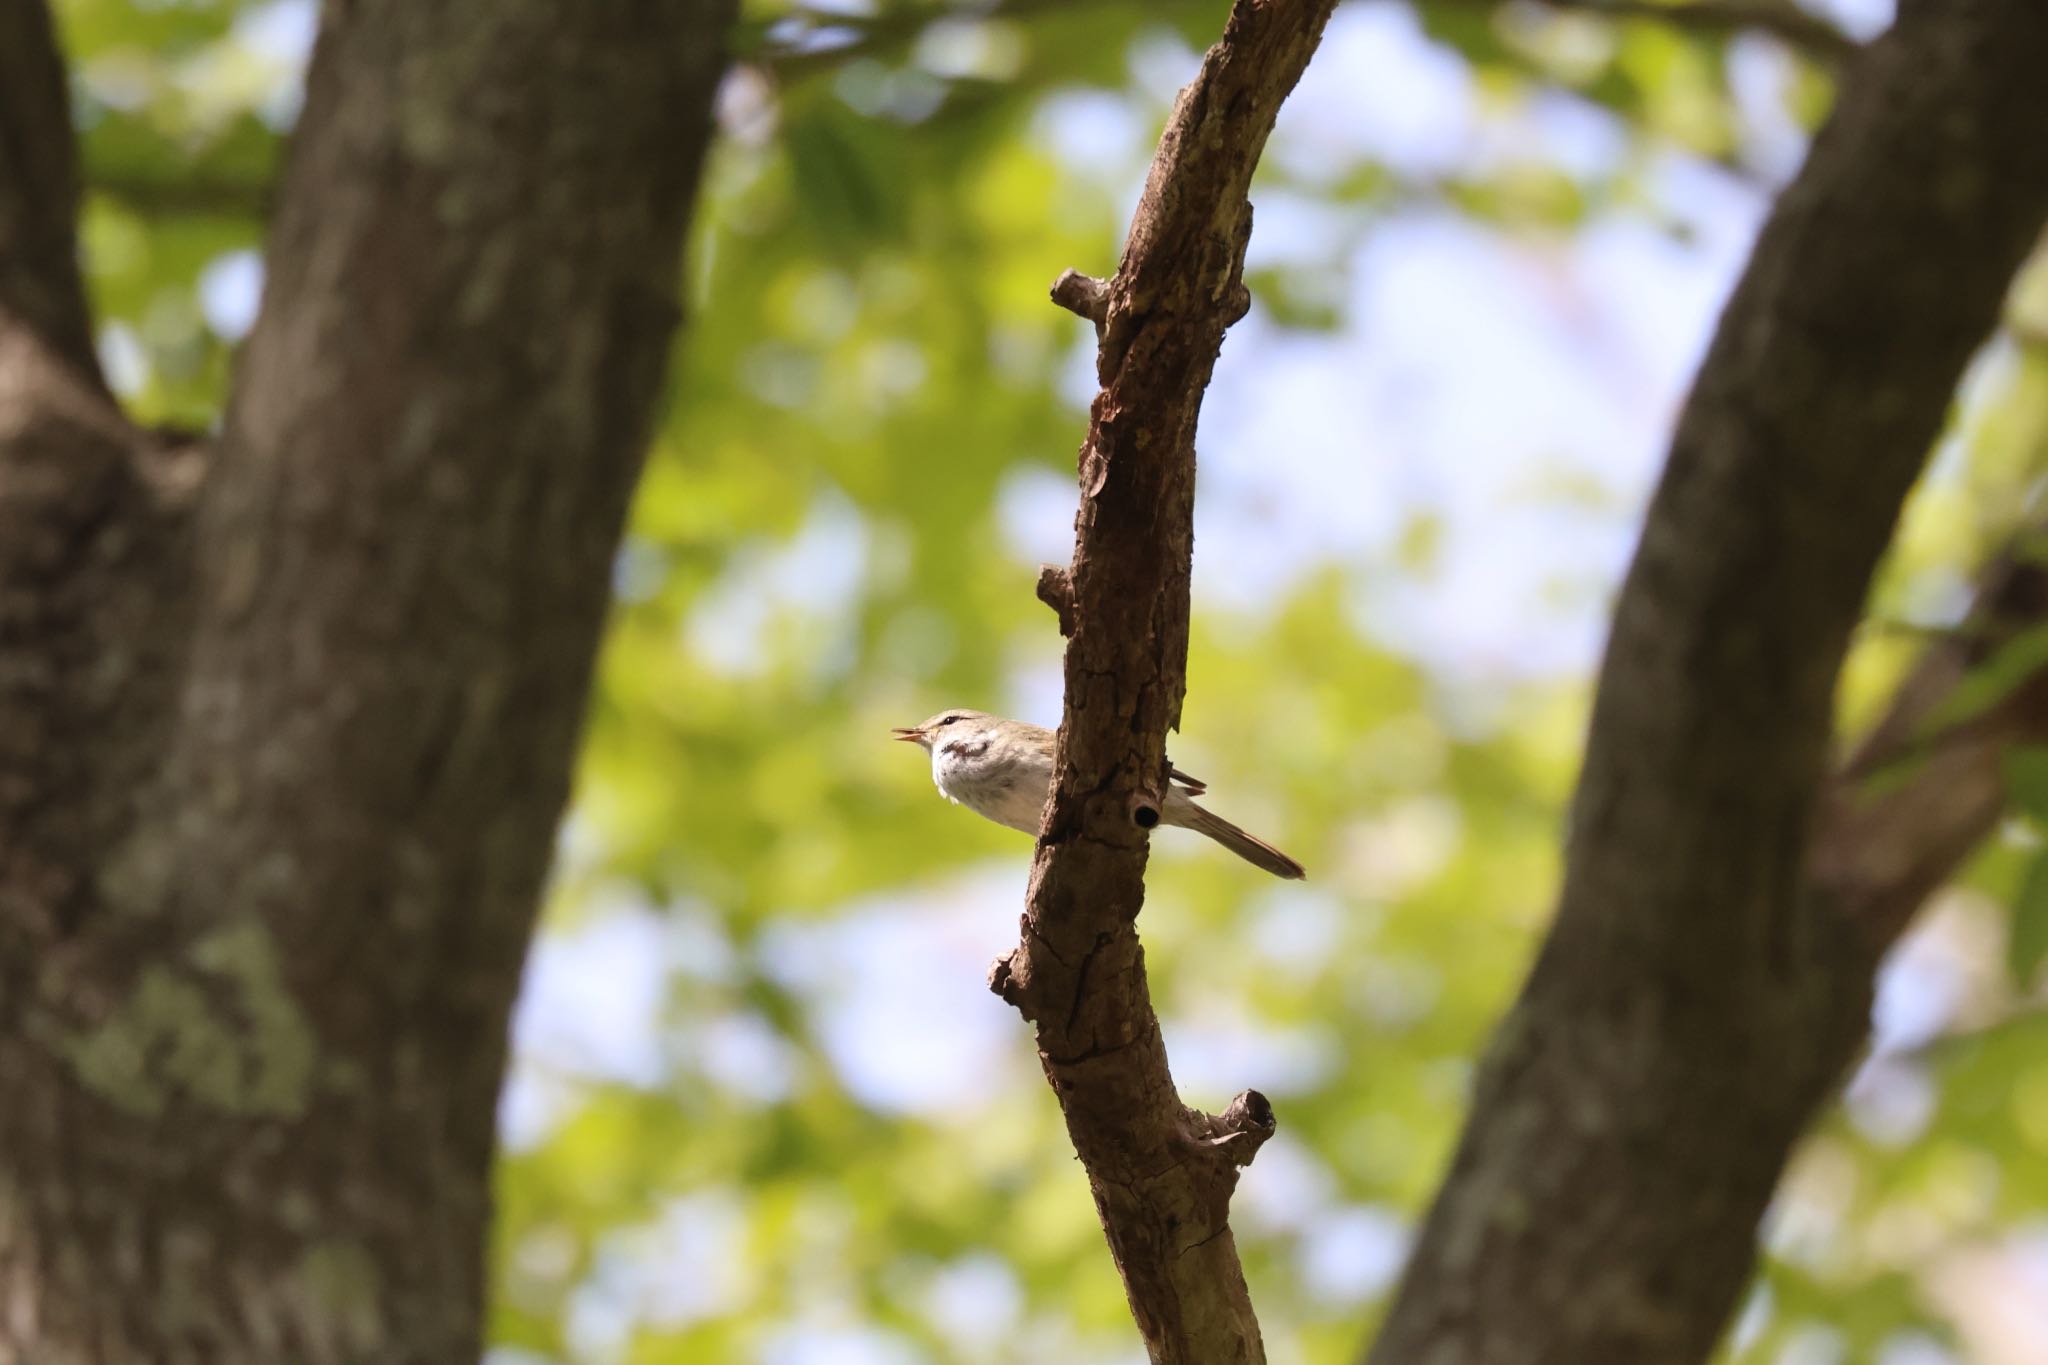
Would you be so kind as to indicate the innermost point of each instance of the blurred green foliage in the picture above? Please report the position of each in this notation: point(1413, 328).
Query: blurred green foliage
point(825, 545)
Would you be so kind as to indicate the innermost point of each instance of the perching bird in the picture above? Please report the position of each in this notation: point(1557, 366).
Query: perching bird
point(1002, 769)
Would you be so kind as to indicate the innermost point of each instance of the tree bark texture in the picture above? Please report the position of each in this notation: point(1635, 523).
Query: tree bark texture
point(1725, 900)
point(286, 719)
point(1162, 1173)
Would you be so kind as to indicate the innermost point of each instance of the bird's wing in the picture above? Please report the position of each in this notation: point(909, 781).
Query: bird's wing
point(1195, 785)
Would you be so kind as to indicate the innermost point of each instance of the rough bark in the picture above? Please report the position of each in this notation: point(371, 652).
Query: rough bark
point(286, 723)
point(1162, 1173)
point(1709, 972)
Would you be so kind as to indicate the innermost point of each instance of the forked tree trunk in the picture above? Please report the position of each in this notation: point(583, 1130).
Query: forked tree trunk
point(286, 719)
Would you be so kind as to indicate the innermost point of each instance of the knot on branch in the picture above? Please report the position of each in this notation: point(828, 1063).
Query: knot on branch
point(1082, 294)
point(1236, 304)
point(1237, 299)
point(1002, 981)
point(1056, 590)
point(1241, 1129)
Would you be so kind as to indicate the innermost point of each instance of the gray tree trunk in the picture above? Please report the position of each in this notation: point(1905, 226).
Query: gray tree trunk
point(286, 718)
point(1725, 900)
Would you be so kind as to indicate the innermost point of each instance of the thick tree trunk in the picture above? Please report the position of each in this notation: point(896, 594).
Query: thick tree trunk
point(1709, 974)
point(286, 723)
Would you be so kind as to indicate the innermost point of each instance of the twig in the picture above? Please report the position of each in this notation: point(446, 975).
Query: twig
point(883, 35)
point(1796, 27)
point(1056, 590)
point(195, 196)
point(1917, 795)
point(894, 30)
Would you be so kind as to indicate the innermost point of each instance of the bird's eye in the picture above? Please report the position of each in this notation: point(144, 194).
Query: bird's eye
point(948, 721)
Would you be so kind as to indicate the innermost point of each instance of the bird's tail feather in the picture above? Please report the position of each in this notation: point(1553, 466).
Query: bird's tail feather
point(1253, 850)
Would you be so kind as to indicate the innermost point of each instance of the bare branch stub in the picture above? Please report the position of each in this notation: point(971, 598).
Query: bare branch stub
point(1056, 590)
point(1243, 1126)
point(1162, 1173)
point(1083, 295)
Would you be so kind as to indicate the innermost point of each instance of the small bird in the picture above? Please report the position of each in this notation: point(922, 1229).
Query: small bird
point(1002, 769)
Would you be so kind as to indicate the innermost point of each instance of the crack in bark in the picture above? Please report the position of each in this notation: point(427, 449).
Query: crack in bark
point(1102, 940)
point(1094, 1053)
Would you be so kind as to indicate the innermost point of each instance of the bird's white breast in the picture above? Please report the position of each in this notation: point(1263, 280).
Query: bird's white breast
point(1003, 783)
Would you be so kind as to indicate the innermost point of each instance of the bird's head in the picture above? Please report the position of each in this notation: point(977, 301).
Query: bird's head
point(953, 722)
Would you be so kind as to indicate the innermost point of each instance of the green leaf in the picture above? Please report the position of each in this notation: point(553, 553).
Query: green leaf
point(2026, 781)
point(839, 166)
point(2028, 944)
point(1992, 681)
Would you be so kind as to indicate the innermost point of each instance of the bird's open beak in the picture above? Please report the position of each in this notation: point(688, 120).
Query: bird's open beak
point(909, 734)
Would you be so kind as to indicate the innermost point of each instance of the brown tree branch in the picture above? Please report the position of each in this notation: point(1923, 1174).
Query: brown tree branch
point(203, 195)
point(890, 33)
point(1923, 789)
point(1162, 1173)
point(887, 34)
point(1709, 972)
point(40, 284)
point(1790, 23)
